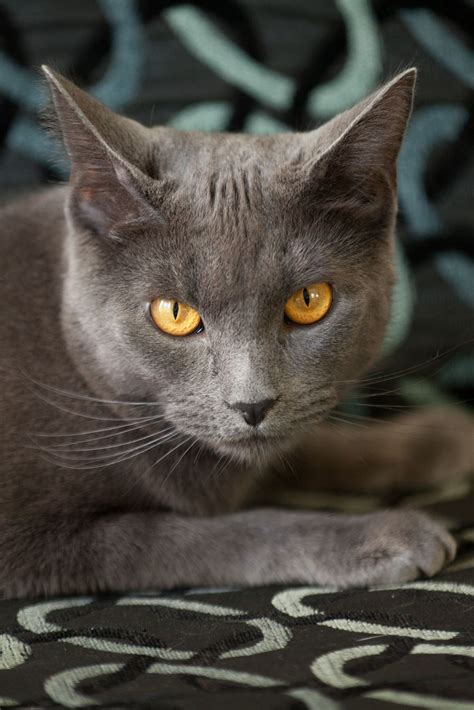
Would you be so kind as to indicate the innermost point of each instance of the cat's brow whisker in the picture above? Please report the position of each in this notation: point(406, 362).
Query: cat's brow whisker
point(117, 459)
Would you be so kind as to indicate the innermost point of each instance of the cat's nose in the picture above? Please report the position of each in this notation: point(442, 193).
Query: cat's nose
point(254, 412)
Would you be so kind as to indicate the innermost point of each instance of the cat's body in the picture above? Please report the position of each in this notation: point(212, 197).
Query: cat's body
point(98, 495)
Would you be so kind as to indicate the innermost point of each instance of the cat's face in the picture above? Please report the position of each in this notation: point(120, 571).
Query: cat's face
point(233, 227)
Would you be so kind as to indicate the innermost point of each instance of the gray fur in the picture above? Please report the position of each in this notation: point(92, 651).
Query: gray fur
point(232, 225)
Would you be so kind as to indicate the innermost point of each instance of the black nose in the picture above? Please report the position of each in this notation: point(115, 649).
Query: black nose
point(254, 412)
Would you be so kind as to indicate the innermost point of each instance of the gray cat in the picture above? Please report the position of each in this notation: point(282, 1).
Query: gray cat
point(183, 313)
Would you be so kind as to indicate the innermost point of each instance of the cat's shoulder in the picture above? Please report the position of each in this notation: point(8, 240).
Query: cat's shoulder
point(46, 203)
point(35, 221)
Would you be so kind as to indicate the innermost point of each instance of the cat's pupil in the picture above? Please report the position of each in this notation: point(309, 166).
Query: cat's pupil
point(175, 310)
point(306, 296)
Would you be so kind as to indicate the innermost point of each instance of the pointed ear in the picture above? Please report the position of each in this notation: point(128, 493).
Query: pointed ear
point(109, 155)
point(352, 159)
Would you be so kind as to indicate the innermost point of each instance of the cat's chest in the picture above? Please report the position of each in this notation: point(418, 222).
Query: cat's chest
point(195, 485)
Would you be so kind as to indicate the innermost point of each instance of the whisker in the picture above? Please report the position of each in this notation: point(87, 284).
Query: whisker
point(149, 447)
point(398, 374)
point(75, 395)
point(382, 377)
point(341, 420)
point(199, 452)
point(394, 407)
point(88, 416)
point(116, 431)
point(176, 464)
point(404, 408)
point(61, 450)
point(380, 393)
point(286, 463)
point(65, 455)
point(168, 453)
point(216, 465)
point(396, 422)
point(227, 461)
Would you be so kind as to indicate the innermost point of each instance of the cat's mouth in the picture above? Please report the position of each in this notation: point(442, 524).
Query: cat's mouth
point(255, 445)
point(252, 439)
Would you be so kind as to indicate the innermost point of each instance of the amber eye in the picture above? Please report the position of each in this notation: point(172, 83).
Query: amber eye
point(174, 317)
point(309, 304)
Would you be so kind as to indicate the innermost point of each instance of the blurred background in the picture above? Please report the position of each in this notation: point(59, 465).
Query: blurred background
point(273, 65)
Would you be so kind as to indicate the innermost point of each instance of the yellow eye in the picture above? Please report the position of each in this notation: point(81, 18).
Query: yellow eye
point(309, 304)
point(173, 317)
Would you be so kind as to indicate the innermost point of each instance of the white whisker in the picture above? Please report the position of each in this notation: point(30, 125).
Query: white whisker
point(117, 431)
point(68, 455)
point(60, 450)
point(75, 395)
point(167, 454)
point(117, 459)
point(176, 464)
point(89, 416)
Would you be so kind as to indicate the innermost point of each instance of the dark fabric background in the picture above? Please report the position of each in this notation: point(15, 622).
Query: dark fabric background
point(302, 61)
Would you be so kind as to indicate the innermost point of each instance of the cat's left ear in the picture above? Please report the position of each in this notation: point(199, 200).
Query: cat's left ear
point(108, 153)
point(355, 154)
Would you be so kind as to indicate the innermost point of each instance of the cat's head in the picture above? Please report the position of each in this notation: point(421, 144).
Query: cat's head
point(232, 226)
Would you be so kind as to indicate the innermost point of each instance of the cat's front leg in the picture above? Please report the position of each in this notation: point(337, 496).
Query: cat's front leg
point(133, 551)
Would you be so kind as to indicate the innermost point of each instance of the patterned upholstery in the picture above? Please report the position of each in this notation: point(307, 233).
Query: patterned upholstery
point(297, 647)
point(260, 66)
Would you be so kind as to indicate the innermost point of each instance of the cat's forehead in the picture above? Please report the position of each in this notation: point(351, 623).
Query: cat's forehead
point(226, 214)
point(187, 154)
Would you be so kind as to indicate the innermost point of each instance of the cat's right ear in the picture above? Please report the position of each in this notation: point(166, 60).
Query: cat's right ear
point(350, 162)
point(108, 154)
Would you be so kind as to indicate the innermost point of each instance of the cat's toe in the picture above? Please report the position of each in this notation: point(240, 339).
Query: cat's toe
point(409, 544)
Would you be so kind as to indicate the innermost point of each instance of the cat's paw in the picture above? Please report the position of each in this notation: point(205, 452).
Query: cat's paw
point(399, 546)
